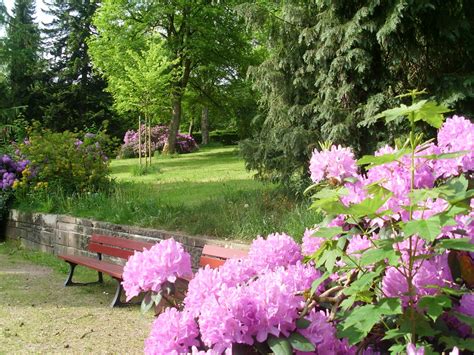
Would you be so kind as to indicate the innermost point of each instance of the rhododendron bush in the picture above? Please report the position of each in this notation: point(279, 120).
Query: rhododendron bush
point(389, 270)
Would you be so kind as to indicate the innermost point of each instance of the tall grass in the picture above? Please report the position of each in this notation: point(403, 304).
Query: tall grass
point(206, 193)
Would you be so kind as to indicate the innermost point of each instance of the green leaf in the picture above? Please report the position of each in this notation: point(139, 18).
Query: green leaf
point(375, 255)
point(465, 319)
point(362, 319)
point(329, 206)
point(428, 229)
point(431, 113)
point(147, 303)
point(401, 111)
point(397, 349)
point(463, 244)
point(374, 161)
point(302, 323)
point(328, 232)
point(363, 283)
point(279, 346)
point(369, 206)
point(444, 155)
point(299, 342)
point(434, 305)
point(462, 344)
point(156, 298)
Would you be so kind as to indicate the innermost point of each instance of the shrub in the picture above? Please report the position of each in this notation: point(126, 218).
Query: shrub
point(226, 137)
point(389, 270)
point(12, 173)
point(184, 142)
point(69, 161)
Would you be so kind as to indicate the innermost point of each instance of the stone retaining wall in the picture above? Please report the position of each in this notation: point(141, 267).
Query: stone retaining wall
point(65, 234)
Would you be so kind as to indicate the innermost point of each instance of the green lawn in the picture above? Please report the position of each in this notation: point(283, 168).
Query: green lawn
point(208, 192)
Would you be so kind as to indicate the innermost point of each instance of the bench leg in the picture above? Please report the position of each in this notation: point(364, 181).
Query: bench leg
point(69, 281)
point(71, 272)
point(116, 301)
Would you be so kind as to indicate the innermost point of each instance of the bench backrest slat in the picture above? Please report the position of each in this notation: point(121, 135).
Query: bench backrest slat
point(215, 256)
point(223, 253)
point(114, 246)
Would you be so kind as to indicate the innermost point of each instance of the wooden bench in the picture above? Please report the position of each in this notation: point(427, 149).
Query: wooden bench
point(105, 245)
point(122, 248)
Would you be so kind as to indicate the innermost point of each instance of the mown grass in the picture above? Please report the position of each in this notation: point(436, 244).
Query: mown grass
point(208, 192)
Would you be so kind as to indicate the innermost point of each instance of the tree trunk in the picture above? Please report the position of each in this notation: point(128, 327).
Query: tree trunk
point(170, 146)
point(149, 139)
point(205, 125)
point(139, 141)
point(191, 126)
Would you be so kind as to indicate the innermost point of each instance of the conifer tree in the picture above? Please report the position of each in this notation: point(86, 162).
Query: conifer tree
point(76, 95)
point(22, 54)
point(333, 64)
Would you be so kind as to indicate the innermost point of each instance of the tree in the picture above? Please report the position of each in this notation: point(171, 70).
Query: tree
point(333, 64)
point(76, 96)
point(22, 46)
point(195, 34)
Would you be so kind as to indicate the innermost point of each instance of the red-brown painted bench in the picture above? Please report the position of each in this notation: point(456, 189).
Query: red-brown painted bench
point(122, 248)
point(105, 245)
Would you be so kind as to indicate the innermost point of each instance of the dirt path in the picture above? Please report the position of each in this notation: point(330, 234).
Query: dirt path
point(39, 315)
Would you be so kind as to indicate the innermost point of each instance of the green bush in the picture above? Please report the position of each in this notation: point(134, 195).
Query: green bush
point(72, 162)
point(226, 137)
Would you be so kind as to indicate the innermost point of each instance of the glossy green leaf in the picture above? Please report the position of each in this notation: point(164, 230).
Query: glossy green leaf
point(463, 244)
point(279, 346)
point(302, 323)
point(147, 303)
point(299, 342)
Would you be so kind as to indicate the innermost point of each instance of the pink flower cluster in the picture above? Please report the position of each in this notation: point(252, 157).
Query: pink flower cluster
point(245, 301)
point(336, 163)
point(149, 269)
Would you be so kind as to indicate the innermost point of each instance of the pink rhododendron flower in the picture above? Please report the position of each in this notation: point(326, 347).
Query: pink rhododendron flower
point(248, 312)
point(148, 270)
point(322, 334)
point(173, 332)
point(311, 243)
point(413, 350)
point(276, 250)
point(449, 141)
point(336, 163)
point(427, 273)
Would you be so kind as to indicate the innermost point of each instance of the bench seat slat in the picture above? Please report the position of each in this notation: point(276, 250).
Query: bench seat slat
point(223, 253)
point(212, 262)
point(121, 242)
point(113, 270)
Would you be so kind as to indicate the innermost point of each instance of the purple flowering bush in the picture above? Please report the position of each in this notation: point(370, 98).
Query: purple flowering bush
point(389, 270)
point(159, 135)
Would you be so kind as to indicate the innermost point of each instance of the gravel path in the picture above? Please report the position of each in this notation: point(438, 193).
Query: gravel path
point(39, 315)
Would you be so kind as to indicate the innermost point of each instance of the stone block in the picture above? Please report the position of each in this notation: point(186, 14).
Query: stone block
point(66, 219)
point(84, 222)
point(77, 241)
point(49, 221)
point(70, 227)
point(60, 237)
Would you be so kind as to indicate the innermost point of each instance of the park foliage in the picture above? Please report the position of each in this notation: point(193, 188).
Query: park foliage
point(388, 270)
